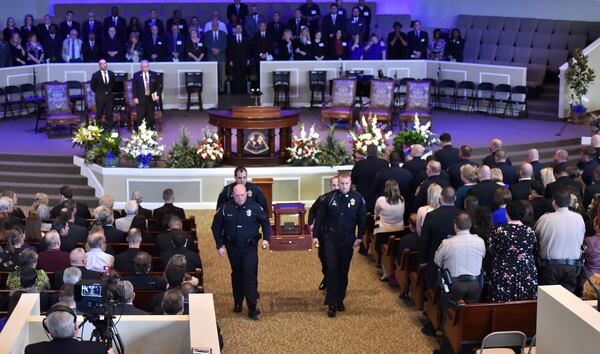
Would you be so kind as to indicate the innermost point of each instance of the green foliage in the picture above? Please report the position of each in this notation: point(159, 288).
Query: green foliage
point(182, 155)
point(579, 75)
point(406, 138)
point(333, 151)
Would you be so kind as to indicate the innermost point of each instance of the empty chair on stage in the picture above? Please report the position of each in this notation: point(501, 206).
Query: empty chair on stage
point(59, 108)
point(342, 101)
point(381, 99)
point(418, 95)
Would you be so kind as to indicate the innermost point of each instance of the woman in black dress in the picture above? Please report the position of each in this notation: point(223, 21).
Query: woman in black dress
point(303, 45)
point(135, 27)
point(194, 47)
point(318, 48)
point(28, 28)
point(17, 51)
point(11, 28)
point(455, 46)
point(397, 45)
point(513, 276)
point(286, 46)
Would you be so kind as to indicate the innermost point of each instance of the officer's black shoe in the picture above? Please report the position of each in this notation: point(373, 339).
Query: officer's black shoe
point(322, 286)
point(254, 314)
point(428, 329)
point(331, 311)
point(237, 308)
point(340, 307)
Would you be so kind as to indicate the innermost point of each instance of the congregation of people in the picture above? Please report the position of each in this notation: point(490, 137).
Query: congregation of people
point(74, 245)
point(246, 36)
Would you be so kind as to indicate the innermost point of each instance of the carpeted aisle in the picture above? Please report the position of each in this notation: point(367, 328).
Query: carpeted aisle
point(294, 319)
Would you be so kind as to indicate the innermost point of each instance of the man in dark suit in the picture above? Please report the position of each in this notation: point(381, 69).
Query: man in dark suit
point(215, 42)
point(311, 13)
point(124, 295)
point(521, 189)
point(43, 29)
point(124, 260)
point(447, 155)
point(486, 188)
point(533, 157)
point(365, 14)
point(464, 154)
point(67, 25)
point(180, 241)
point(563, 181)
point(181, 24)
point(401, 175)
point(164, 242)
point(70, 212)
point(262, 46)
point(142, 279)
point(116, 21)
point(102, 83)
point(275, 28)
point(509, 173)
point(438, 224)
point(113, 47)
point(154, 45)
point(238, 54)
point(356, 25)
point(168, 207)
point(238, 9)
point(490, 160)
point(105, 217)
point(153, 20)
point(65, 193)
point(91, 26)
point(145, 88)
point(175, 43)
point(417, 41)
point(52, 44)
point(416, 164)
point(433, 171)
point(587, 163)
point(332, 22)
point(253, 20)
point(296, 23)
point(363, 175)
point(61, 323)
point(90, 49)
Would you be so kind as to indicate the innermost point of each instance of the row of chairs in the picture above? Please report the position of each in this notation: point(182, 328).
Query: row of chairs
point(526, 39)
point(498, 23)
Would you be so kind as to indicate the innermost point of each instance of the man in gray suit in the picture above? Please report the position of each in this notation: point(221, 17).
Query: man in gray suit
point(215, 42)
point(252, 20)
point(5, 58)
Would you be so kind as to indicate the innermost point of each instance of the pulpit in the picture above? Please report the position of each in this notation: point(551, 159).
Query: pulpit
point(290, 232)
point(255, 130)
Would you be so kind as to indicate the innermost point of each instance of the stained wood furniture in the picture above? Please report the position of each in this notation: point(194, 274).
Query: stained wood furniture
point(59, 108)
point(290, 236)
point(381, 99)
point(342, 101)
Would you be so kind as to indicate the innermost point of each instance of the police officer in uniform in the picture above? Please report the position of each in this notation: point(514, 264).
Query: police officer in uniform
point(241, 177)
point(312, 215)
point(340, 214)
point(235, 228)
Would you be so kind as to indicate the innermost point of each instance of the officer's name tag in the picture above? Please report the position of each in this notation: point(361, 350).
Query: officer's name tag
point(313, 12)
point(340, 12)
point(423, 40)
point(180, 26)
point(308, 43)
point(321, 44)
point(344, 44)
point(178, 42)
point(159, 43)
point(382, 44)
point(200, 45)
point(366, 13)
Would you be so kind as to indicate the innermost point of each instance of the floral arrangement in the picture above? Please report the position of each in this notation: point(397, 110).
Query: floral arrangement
point(333, 151)
point(305, 148)
point(183, 154)
point(87, 136)
point(143, 145)
point(210, 148)
point(369, 132)
point(595, 122)
point(579, 77)
point(419, 134)
point(100, 146)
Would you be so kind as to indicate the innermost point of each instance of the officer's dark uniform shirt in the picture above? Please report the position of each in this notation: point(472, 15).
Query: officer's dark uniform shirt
point(254, 194)
point(239, 223)
point(341, 213)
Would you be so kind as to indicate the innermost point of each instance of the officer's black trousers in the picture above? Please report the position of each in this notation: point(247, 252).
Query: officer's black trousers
point(338, 254)
point(244, 273)
point(321, 252)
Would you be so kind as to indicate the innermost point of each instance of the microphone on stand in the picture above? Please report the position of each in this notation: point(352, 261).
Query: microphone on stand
point(34, 81)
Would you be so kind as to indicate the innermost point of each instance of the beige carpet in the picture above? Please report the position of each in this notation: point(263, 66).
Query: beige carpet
point(294, 319)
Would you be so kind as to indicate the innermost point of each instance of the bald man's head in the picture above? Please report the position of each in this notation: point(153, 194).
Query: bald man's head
point(533, 155)
point(526, 170)
point(561, 156)
point(596, 141)
point(500, 156)
point(433, 168)
point(240, 194)
point(484, 173)
point(495, 144)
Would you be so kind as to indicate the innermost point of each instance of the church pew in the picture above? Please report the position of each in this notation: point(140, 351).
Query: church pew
point(5, 298)
point(469, 324)
point(433, 306)
point(4, 277)
point(146, 247)
point(369, 231)
point(409, 263)
point(388, 255)
point(417, 286)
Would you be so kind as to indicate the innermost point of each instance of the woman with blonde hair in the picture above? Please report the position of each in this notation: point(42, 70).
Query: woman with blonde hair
point(547, 176)
point(433, 202)
point(498, 177)
point(39, 199)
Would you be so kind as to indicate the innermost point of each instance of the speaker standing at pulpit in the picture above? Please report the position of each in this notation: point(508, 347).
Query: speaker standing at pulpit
point(145, 93)
point(102, 83)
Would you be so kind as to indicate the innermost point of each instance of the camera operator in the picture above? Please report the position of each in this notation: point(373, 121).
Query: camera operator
point(61, 325)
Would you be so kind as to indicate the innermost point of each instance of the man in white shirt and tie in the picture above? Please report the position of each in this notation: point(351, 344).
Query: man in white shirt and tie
point(102, 83)
point(71, 52)
point(145, 93)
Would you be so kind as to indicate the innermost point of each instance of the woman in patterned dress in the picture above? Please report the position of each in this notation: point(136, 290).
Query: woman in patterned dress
point(514, 275)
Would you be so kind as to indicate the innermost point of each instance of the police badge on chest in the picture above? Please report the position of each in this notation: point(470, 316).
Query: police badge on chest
point(248, 212)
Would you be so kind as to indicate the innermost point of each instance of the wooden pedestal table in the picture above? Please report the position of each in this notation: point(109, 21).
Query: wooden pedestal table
point(255, 118)
point(293, 237)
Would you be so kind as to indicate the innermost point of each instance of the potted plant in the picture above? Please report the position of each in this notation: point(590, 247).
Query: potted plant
point(333, 151)
point(305, 150)
point(87, 136)
point(419, 134)
point(369, 132)
point(210, 149)
point(109, 149)
point(143, 146)
point(579, 77)
point(182, 155)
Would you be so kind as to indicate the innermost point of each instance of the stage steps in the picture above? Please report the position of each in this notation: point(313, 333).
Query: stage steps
point(545, 106)
point(30, 174)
